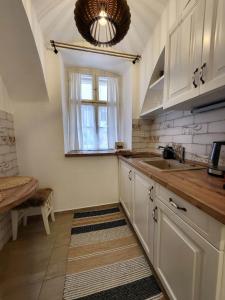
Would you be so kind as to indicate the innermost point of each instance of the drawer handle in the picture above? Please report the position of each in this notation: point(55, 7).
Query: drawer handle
point(177, 206)
point(154, 214)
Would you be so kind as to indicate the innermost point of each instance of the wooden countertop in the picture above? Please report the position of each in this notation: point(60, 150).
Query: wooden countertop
point(196, 186)
point(10, 198)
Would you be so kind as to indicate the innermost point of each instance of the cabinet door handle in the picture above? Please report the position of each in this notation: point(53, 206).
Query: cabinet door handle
point(177, 206)
point(150, 193)
point(150, 190)
point(194, 82)
point(130, 175)
point(154, 214)
point(203, 67)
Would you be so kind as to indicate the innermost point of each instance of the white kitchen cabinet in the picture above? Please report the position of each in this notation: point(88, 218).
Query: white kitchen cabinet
point(189, 267)
point(142, 211)
point(213, 58)
point(195, 60)
point(184, 244)
point(183, 56)
point(126, 178)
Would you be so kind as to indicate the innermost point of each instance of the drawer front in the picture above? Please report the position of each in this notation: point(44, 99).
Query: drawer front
point(205, 225)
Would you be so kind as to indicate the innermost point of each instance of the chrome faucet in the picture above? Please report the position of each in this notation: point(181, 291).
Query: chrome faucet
point(174, 152)
point(179, 153)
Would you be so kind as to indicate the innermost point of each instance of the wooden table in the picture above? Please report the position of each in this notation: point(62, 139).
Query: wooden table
point(11, 198)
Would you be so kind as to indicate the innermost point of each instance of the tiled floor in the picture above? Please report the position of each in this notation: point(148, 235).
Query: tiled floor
point(33, 267)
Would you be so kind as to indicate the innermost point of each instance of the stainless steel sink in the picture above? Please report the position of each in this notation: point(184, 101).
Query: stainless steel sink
point(142, 155)
point(170, 165)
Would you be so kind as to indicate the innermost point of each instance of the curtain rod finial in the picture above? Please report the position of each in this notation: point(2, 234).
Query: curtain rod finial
point(137, 59)
point(54, 46)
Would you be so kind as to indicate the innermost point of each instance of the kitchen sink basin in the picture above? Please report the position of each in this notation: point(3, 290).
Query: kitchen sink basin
point(170, 165)
point(141, 155)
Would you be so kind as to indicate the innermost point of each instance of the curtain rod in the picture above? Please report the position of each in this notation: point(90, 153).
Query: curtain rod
point(55, 45)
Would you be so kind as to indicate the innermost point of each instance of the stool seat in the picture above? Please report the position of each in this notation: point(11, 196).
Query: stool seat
point(38, 199)
point(39, 203)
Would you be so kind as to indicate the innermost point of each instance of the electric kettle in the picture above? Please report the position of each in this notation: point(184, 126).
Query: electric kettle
point(214, 168)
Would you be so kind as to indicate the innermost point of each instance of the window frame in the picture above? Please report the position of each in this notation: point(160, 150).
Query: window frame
point(96, 74)
point(96, 103)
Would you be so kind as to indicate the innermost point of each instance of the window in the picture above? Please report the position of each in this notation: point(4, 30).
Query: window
point(93, 112)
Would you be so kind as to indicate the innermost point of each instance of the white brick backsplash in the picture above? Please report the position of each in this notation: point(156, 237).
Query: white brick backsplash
point(195, 132)
point(8, 167)
point(166, 139)
point(198, 149)
point(187, 113)
point(195, 129)
point(208, 139)
point(166, 124)
point(155, 126)
point(174, 115)
point(211, 116)
point(6, 124)
point(3, 115)
point(182, 139)
point(160, 119)
point(4, 149)
point(173, 131)
point(184, 121)
point(216, 127)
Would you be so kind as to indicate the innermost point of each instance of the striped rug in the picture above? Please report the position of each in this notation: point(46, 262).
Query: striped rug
point(105, 260)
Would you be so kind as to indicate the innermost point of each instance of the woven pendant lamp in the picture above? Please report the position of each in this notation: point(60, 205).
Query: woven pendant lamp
point(102, 22)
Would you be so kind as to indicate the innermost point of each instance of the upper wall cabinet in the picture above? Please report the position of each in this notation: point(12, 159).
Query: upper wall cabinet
point(213, 58)
point(195, 61)
point(183, 56)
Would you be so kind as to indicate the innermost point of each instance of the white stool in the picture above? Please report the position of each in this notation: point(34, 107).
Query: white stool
point(40, 204)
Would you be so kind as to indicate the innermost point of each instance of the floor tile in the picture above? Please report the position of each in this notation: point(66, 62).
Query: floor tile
point(52, 289)
point(56, 270)
point(59, 255)
point(62, 239)
point(24, 292)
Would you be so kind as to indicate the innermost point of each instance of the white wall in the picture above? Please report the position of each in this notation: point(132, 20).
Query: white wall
point(5, 100)
point(20, 65)
point(77, 182)
point(37, 33)
point(130, 105)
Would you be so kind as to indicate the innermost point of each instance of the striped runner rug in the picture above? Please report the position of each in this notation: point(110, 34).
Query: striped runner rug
point(105, 260)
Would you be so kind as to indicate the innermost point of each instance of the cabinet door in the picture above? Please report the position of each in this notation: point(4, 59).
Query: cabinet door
point(126, 188)
point(183, 58)
point(213, 61)
point(142, 214)
point(189, 267)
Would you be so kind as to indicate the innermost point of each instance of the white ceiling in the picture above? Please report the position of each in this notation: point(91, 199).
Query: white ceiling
point(57, 22)
point(95, 61)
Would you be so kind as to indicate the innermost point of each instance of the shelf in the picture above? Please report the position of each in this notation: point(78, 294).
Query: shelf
point(153, 101)
point(158, 84)
point(154, 111)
